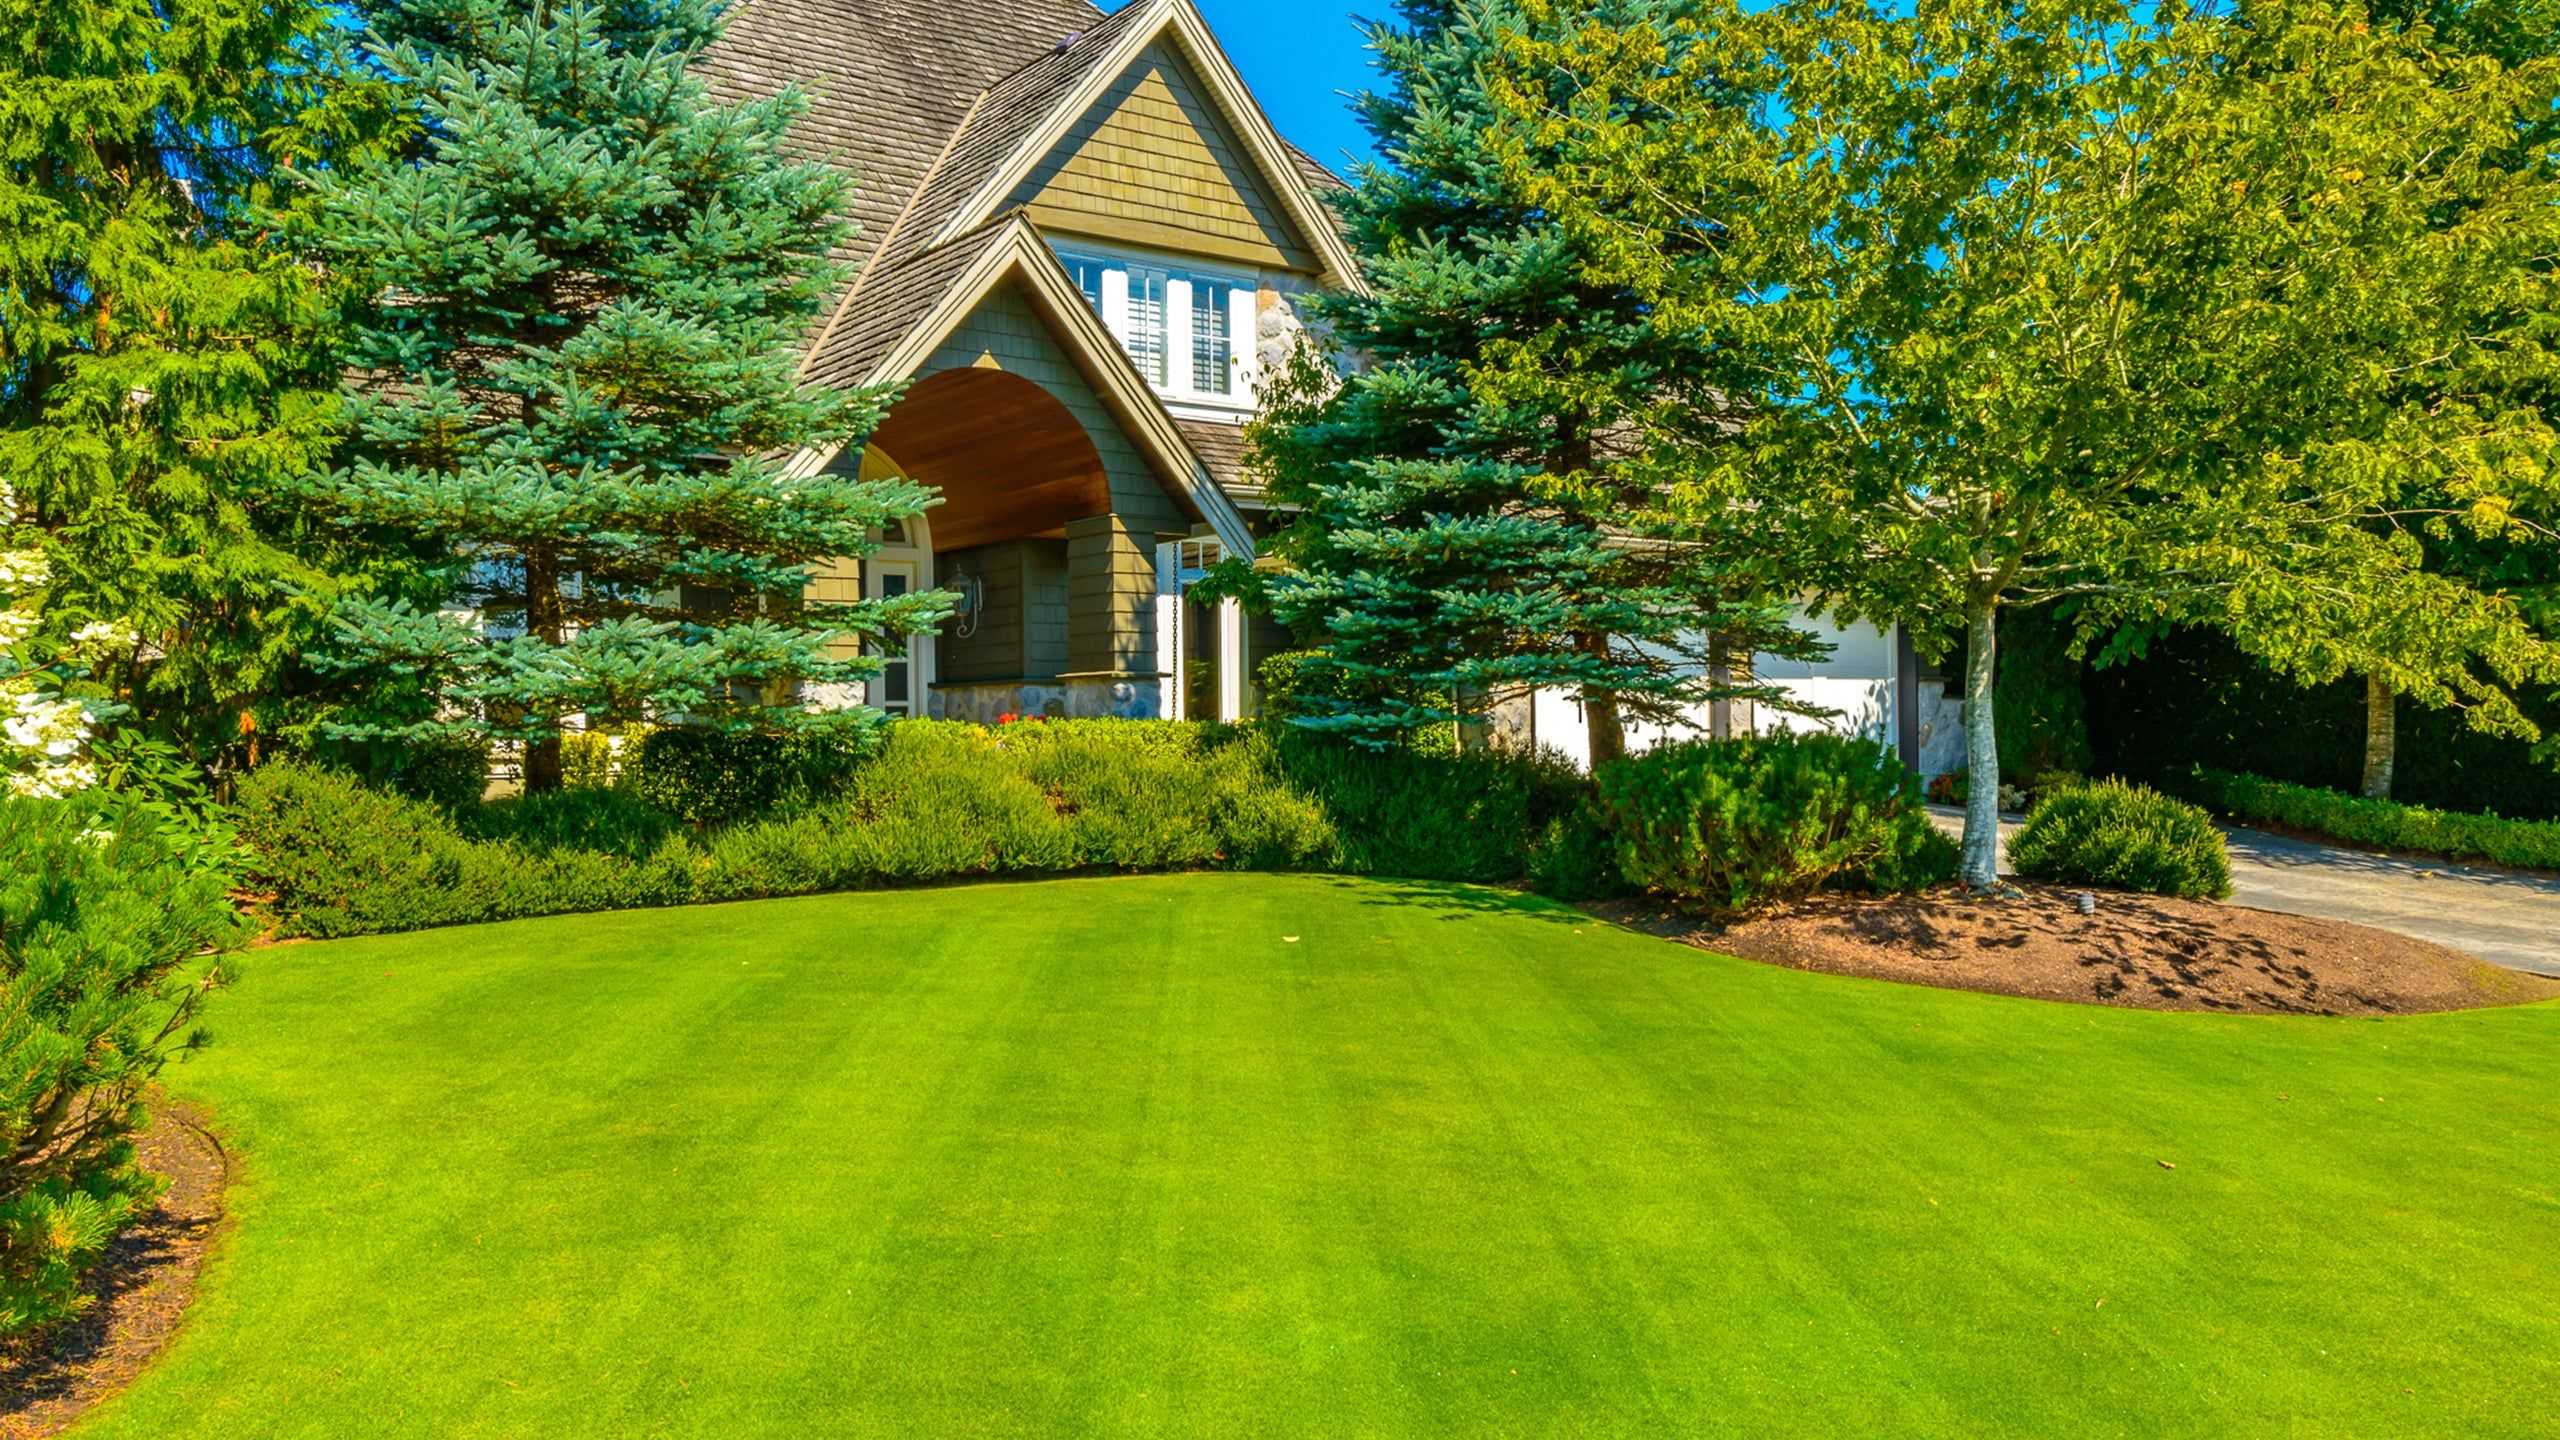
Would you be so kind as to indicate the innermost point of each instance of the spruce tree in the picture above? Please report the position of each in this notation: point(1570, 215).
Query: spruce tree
point(578, 378)
point(164, 369)
point(1478, 522)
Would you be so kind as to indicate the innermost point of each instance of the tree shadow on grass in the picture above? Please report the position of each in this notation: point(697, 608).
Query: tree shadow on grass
point(1453, 900)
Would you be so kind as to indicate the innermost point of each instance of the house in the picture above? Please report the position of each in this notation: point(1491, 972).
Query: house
point(1080, 245)
point(1079, 242)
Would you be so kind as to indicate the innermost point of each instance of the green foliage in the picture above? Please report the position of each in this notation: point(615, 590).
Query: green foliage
point(155, 782)
point(936, 801)
point(1722, 826)
point(2039, 709)
point(1977, 262)
point(2378, 824)
point(340, 857)
point(1465, 493)
point(711, 777)
point(164, 368)
point(582, 309)
point(607, 821)
point(1469, 815)
point(2193, 698)
point(450, 771)
point(2123, 837)
point(105, 921)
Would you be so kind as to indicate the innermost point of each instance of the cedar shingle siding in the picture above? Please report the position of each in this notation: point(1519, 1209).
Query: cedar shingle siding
point(1155, 164)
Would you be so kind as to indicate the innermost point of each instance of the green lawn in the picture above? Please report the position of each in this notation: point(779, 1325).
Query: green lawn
point(1247, 1156)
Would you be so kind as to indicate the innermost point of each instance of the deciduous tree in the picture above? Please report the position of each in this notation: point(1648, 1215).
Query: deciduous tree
point(2147, 311)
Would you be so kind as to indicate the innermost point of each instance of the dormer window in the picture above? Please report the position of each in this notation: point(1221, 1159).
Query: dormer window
point(1182, 325)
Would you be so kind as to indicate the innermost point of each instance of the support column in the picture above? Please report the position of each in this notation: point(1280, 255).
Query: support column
point(1111, 598)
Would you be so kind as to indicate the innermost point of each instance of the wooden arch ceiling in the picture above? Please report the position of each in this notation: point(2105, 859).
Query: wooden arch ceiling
point(1010, 460)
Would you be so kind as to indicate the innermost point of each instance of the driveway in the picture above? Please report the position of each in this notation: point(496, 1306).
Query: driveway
point(2506, 917)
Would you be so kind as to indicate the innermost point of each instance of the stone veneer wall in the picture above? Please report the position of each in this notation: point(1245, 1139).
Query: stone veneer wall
point(1129, 698)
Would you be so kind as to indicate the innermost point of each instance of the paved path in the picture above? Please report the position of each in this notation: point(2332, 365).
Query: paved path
point(2503, 916)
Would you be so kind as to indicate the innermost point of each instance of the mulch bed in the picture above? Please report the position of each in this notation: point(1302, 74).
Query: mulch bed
point(2137, 951)
point(142, 1287)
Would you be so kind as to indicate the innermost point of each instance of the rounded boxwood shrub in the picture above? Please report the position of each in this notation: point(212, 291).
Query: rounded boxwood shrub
point(1724, 825)
point(2117, 836)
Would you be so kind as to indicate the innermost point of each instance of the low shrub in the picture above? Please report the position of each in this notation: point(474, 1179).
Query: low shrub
point(451, 773)
point(937, 801)
point(703, 777)
point(2379, 824)
point(613, 821)
point(1723, 825)
point(1955, 787)
point(339, 857)
point(105, 925)
point(600, 759)
point(1478, 816)
point(2123, 837)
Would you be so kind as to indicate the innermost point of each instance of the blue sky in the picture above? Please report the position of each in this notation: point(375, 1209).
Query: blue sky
point(1299, 56)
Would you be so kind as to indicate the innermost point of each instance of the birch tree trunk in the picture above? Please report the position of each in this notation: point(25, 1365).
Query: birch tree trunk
point(2381, 737)
point(1982, 748)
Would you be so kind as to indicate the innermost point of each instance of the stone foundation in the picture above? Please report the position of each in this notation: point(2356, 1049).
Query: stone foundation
point(1069, 697)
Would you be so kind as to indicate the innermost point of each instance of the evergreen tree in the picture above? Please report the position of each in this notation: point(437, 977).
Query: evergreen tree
point(578, 355)
point(1476, 523)
point(164, 369)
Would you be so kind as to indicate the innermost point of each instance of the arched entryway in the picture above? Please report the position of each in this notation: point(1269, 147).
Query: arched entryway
point(1009, 458)
point(1066, 600)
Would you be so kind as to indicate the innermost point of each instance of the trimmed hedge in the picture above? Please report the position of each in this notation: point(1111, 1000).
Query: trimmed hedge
point(2123, 837)
point(2379, 824)
point(1723, 825)
point(938, 801)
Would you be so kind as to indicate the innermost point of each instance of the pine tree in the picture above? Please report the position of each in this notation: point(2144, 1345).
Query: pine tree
point(578, 355)
point(1476, 523)
point(164, 369)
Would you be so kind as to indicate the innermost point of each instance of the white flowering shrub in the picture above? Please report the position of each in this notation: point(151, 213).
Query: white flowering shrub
point(44, 734)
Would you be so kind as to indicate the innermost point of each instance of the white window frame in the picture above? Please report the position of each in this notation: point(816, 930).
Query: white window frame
point(1243, 299)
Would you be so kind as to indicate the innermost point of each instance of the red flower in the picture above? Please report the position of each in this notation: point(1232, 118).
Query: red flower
point(1007, 718)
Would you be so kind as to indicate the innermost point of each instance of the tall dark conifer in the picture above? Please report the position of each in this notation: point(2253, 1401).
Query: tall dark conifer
point(1478, 509)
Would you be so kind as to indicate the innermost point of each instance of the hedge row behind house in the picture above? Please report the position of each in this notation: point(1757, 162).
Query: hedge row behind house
point(2196, 700)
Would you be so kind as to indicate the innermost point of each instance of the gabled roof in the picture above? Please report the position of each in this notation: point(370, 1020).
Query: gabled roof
point(890, 82)
point(942, 109)
point(1016, 108)
point(1021, 121)
point(915, 304)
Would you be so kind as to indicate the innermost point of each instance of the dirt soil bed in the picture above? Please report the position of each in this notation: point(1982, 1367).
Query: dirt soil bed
point(142, 1287)
point(2136, 951)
